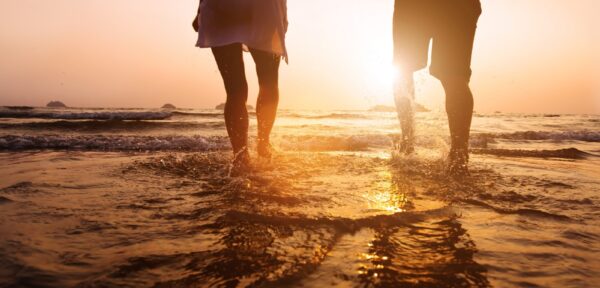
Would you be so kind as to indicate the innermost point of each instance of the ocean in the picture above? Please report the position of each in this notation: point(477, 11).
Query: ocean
point(141, 198)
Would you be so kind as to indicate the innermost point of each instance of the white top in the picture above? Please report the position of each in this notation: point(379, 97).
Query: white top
point(258, 24)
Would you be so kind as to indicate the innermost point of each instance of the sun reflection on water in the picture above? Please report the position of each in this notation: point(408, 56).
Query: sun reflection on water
point(385, 196)
point(376, 264)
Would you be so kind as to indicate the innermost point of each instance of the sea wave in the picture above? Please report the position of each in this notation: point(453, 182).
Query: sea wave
point(184, 143)
point(4, 200)
point(330, 116)
point(18, 108)
point(518, 115)
point(113, 143)
point(110, 125)
point(199, 114)
point(334, 143)
point(520, 211)
point(580, 135)
point(113, 115)
point(570, 153)
point(78, 135)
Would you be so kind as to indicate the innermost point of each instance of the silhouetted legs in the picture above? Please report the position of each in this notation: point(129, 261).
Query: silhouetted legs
point(267, 69)
point(404, 95)
point(459, 107)
point(231, 66)
point(448, 27)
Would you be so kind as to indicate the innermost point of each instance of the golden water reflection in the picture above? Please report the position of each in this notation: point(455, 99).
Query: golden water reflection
point(386, 196)
point(428, 254)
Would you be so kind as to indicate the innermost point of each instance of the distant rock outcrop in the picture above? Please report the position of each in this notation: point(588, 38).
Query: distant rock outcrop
point(222, 107)
point(169, 106)
point(384, 108)
point(421, 108)
point(56, 104)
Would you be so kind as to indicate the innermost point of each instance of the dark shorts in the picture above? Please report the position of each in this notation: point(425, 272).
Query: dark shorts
point(450, 24)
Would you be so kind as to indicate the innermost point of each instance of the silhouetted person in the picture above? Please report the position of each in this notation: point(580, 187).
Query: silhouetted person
point(450, 25)
point(229, 28)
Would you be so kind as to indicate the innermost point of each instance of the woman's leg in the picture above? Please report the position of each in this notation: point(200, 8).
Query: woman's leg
point(267, 69)
point(231, 65)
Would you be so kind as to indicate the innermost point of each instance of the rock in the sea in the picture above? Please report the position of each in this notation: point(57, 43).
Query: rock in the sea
point(222, 107)
point(382, 108)
point(56, 104)
point(169, 106)
point(421, 108)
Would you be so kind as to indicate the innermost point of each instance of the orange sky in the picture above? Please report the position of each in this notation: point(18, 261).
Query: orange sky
point(530, 56)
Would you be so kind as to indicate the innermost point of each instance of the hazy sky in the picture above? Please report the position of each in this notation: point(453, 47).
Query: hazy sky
point(530, 55)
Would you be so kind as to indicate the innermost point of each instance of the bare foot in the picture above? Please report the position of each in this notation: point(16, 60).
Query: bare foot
point(458, 163)
point(240, 165)
point(404, 145)
point(264, 150)
point(407, 146)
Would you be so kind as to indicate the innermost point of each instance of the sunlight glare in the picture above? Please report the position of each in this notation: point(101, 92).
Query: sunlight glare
point(380, 76)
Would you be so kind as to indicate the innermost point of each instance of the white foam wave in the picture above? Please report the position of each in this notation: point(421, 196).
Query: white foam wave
point(103, 115)
point(581, 135)
point(334, 143)
point(114, 143)
point(362, 142)
point(185, 143)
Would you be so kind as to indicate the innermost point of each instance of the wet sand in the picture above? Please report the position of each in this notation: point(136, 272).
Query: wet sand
point(98, 219)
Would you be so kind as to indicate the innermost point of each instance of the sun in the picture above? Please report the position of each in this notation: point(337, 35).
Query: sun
point(380, 78)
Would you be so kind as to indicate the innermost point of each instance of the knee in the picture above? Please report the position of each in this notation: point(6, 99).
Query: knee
point(237, 92)
point(454, 82)
point(236, 101)
point(403, 102)
point(268, 81)
point(269, 92)
point(456, 85)
point(457, 89)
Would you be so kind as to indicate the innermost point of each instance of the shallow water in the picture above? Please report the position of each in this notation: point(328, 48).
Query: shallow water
point(307, 219)
point(333, 208)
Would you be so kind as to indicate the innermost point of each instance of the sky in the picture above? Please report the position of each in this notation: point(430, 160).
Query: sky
point(533, 56)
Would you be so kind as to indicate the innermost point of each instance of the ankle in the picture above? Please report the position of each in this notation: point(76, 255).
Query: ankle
point(241, 155)
point(263, 142)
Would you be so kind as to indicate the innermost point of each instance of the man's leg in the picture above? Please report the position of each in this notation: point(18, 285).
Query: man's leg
point(404, 94)
point(459, 107)
point(454, 33)
point(412, 34)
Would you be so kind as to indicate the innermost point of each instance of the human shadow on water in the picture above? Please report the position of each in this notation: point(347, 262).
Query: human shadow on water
point(435, 254)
